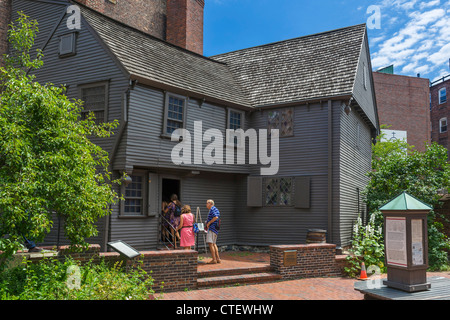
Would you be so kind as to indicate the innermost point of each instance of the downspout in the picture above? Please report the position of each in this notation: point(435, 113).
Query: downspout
point(330, 172)
point(123, 126)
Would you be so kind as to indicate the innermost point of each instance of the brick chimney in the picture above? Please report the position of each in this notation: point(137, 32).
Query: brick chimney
point(5, 20)
point(148, 16)
point(185, 24)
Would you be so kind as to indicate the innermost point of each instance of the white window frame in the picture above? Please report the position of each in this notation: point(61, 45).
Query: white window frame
point(240, 141)
point(444, 95)
point(441, 126)
point(144, 196)
point(166, 112)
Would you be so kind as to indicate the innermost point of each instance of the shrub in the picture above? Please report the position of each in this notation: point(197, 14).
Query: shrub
point(51, 279)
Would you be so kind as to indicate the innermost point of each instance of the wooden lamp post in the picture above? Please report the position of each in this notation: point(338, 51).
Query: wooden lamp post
point(406, 243)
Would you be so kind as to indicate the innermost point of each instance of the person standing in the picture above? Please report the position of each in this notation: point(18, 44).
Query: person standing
point(212, 227)
point(186, 226)
point(174, 209)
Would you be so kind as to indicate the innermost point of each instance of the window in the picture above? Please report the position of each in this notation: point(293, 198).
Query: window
point(278, 191)
point(95, 97)
point(134, 196)
point(442, 95)
point(175, 111)
point(67, 45)
point(235, 122)
point(282, 120)
point(365, 72)
point(443, 125)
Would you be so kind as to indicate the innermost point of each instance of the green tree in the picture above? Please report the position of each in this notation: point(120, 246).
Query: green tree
point(48, 165)
point(397, 167)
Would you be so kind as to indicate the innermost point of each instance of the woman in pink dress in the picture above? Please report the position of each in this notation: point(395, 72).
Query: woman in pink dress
point(187, 233)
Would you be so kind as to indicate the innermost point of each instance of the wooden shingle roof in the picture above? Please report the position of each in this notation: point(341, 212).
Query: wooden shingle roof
point(310, 67)
point(305, 68)
point(147, 57)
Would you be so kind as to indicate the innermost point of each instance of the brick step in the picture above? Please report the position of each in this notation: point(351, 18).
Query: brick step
point(261, 277)
point(234, 271)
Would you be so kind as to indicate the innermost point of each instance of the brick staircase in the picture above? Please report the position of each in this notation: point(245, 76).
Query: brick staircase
point(236, 276)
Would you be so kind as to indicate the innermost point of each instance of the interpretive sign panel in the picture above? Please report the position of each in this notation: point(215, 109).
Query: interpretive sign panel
point(417, 242)
point(396, 241)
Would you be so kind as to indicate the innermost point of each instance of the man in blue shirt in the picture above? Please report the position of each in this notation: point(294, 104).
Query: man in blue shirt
point(211, 226)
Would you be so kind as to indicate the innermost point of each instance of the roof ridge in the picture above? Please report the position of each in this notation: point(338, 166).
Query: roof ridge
point(291, 39)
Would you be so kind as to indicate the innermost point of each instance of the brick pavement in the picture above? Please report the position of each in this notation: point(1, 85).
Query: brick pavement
point(338, 288)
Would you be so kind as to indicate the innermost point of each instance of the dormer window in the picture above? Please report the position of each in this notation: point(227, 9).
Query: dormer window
point(67, 45)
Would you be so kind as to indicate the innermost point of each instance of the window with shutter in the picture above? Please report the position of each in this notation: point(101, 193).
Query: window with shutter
point(278, 191)
point(135, 195)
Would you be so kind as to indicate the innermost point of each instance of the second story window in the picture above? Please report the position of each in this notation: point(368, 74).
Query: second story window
point(235, 122)
point(95, 98)
point(443, 125)
point(442, 95)
point(175, 113)
point(282, 119)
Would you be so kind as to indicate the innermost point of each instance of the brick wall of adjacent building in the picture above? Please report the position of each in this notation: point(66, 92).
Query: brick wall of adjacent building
point(313, 260)
point(439, 111)
point(404, 103)
point(5, 20)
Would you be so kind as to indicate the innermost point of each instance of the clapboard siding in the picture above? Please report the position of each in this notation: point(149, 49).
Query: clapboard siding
point(363, 89)
point(303, 154)
point(90, 64)
point(145, 146)
point(355, 163)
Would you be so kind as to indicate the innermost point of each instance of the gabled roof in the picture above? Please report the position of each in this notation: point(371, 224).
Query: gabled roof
point(310, 67)
point(149, 58)
point(318, 66)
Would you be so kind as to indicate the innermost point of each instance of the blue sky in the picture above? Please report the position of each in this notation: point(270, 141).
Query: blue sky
point(414, 35)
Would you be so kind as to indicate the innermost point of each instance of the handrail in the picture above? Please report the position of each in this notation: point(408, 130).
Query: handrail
point(171, 228)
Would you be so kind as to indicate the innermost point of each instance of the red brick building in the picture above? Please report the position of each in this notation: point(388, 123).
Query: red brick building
point(440, 110)
point(404, 104)
point(179, 22)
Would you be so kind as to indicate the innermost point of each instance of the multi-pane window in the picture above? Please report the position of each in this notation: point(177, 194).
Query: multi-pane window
point(235, 122)
point(134, 196)
point(282, 120)
point(278, 191)
point(95, 100)
point(175, 113)
point(443, 125)
point(442, 95)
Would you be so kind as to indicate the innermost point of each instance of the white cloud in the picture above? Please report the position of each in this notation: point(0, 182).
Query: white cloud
point(421, 41)
point(429, 4)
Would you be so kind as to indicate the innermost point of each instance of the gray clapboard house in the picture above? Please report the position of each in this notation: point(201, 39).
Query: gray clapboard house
point(317, 90)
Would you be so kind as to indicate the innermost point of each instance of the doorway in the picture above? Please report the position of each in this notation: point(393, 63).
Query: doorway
point(170, 187)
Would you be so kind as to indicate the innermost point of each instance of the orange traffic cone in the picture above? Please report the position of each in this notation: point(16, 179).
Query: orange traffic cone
point(363, 275)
